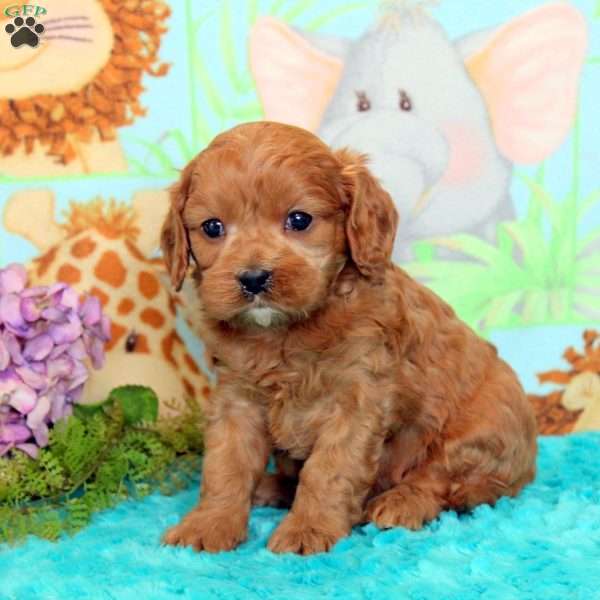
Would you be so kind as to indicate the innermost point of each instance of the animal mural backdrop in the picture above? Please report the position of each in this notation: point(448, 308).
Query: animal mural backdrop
point(482, 124)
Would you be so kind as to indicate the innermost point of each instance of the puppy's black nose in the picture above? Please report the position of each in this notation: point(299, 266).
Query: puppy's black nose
point(254, 281)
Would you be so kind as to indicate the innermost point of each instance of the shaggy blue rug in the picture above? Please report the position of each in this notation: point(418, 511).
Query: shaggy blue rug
point(544, 544)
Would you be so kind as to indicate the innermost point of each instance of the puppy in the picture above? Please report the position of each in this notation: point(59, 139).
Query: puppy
point(379, 403)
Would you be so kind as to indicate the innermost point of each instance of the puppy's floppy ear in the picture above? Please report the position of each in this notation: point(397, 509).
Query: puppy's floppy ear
point(372, 218)
point(173, 237)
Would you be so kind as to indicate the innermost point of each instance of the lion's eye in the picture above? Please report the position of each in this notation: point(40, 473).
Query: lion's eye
point(404, 101)
point(362, 102)
point(298, 221)
point(213, 228)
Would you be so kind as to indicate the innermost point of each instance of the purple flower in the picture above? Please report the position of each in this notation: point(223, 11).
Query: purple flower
point(4, 355)
point(10, 311)
point(13, 346)
point(32, 377)
point(12, 279)
point(30, 309)
point(39, 347)
point(91, 311)
point(49, 337)
point(66, 333)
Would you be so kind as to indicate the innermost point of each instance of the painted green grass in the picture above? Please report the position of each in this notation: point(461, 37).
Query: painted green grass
point(531, 276)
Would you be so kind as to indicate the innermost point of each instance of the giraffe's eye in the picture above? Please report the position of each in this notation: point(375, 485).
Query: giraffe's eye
point(362, 102)
point(404, 101)
point(131, 342)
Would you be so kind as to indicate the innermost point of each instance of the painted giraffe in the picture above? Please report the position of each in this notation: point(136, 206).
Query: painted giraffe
point(104, 248)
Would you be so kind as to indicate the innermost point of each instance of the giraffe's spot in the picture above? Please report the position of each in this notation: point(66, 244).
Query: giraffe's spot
point(44, 261)
point(95, 291)
point(157, 262)
point(110, 269)
point(205, 391)
point(135, 251)
point(83, 247)
point(69, 274)
point(125, 306)
point(172, 308)
point(116, 333)
point(148, 284)
point(152, 317)
point(167, 346)
point(189, 388)
point(142, 344)
point(191, 363)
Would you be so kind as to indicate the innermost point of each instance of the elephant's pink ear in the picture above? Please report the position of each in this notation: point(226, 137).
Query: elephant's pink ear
point(528, 73)
point(294, 80)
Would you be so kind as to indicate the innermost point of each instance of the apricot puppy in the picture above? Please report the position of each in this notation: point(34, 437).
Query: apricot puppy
point(379, 403)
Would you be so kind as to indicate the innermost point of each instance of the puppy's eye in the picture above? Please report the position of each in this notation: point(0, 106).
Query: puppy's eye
point(213, 228)
point(298, 221)
point(404, 101)
point(362, 102)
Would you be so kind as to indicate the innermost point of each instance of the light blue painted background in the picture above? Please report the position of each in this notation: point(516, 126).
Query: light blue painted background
point(169, 100)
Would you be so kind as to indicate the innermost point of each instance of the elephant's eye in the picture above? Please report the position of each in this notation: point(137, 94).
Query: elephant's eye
point(362, 102)
point(404, 101)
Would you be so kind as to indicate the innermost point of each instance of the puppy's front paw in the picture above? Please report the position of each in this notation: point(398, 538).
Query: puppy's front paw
point(302, 537)
point(210, 530)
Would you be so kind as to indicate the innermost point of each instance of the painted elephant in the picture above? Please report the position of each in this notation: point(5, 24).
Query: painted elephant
point(442, 121)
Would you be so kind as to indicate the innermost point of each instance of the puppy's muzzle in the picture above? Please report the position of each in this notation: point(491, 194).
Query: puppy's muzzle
point(255, 281)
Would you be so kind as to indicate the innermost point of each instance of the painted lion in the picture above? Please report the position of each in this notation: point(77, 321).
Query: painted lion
point(62, 101)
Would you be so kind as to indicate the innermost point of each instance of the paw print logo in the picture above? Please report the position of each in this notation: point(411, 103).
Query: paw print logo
point(24, 31)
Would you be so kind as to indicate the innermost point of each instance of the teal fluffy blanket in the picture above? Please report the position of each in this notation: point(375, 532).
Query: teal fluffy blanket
point(545, 544)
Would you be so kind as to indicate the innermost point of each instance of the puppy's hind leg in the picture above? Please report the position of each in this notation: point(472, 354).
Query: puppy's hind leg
point(418, 498)
point(466, 475)
point(488, 452)
point(275, 489)
point(278, 489)
point(478, 469)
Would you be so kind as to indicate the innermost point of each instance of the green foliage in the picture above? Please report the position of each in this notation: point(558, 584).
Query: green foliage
point(539, 272)
point(138, 403)
point(96, 458)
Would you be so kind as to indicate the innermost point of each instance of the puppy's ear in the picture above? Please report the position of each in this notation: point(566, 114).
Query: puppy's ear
point(372, 218)
point(173, 237)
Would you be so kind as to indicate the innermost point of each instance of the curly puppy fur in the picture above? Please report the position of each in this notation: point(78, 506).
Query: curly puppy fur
point(379, 403)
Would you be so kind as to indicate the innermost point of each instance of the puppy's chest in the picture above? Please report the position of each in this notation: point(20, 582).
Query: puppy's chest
point(298, 397)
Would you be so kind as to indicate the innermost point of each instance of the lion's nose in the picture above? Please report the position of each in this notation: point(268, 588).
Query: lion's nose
point(254, 281)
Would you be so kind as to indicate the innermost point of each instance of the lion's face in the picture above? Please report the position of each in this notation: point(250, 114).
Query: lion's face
point(74, 47)
point(84, 78)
